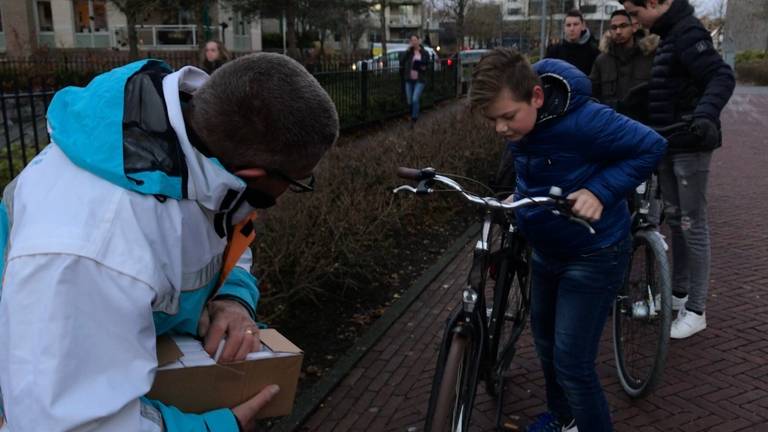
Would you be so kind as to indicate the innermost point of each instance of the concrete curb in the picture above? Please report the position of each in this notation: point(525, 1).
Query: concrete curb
point(308, 401)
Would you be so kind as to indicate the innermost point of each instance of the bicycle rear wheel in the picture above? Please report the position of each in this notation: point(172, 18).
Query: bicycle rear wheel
point(452, 400)
point(642, 316)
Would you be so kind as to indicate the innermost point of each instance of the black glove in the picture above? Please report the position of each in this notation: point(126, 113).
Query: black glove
point(707, 131)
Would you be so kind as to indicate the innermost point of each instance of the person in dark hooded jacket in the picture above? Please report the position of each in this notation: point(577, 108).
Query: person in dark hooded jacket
point(690, 82)
point(560, 137)
point(579, 47)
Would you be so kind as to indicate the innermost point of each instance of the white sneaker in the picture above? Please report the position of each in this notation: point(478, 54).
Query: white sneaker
point(678, 303)
point(570, 427)
point(687, 324)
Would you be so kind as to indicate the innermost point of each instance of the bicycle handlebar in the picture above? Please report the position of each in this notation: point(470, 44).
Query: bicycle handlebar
point(673, 128)
point(428, 175)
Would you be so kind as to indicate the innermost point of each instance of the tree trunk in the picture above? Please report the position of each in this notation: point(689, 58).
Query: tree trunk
point(133, 36)
point(200, 21)
point(290, 29)
point(383, 23)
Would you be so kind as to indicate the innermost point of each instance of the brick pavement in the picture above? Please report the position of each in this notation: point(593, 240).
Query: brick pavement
point(715, 381)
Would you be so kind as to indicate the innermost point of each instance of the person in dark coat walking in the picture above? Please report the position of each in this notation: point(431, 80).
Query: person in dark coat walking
point(413, 71)
point(579, 47)
point(689, 80)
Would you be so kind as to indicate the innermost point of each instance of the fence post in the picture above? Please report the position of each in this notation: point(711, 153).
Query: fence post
point(458, 76)
point(364, 90)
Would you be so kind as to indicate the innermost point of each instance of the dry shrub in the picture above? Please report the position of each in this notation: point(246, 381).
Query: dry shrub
point(353, 232)
point(754, 71)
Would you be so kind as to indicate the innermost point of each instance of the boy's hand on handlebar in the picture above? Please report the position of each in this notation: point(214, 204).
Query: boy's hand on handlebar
point(586, 205)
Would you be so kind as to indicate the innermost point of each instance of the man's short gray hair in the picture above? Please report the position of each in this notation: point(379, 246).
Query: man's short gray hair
point(265, 110)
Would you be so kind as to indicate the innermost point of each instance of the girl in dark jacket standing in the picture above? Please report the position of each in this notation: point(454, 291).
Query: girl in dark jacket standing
point(213, 56)
point(413, 70)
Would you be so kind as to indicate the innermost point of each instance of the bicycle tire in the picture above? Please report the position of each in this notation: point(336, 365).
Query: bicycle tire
point(453, 403)
point(640, 361)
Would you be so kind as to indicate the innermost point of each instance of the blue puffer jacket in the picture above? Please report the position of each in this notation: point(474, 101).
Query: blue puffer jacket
point(578, 143)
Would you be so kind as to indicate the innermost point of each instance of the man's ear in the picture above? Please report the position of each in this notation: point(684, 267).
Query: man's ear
point(251, 173)
point(538, 97)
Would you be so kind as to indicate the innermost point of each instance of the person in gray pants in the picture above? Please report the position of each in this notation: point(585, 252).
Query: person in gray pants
point(691, 83)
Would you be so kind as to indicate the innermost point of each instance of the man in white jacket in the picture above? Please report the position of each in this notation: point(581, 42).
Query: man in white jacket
point(116, 233)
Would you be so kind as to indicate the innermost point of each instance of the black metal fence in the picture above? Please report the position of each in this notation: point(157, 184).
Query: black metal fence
point(361, 96)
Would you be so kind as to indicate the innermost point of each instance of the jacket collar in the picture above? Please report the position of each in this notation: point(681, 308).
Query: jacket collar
point(213, 187)
point(678, 10)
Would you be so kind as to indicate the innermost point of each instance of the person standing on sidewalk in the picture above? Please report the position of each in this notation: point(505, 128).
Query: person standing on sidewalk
point(579, 47)
point(413, 70)
point(624, 63)
point(689, 80)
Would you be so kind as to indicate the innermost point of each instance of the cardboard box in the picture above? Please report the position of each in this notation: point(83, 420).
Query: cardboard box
point(204, 388)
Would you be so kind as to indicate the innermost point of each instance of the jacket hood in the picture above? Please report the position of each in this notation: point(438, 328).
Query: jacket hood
point(566, 88)
point(646, 42)
point(141, 146)
point(585, 38)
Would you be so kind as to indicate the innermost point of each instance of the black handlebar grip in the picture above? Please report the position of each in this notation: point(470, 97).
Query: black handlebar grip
point(410, 173)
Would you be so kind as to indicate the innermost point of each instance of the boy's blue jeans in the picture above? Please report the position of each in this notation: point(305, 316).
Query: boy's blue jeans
point(570, 301)
point(413, 90)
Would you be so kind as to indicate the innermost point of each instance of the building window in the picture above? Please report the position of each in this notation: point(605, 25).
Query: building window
point(90, 15)
point(44, 16)
point(589, 9)
point(514, 11)
point(242, 27)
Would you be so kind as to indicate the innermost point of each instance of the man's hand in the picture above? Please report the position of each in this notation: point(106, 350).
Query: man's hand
point(228, 318)
point(246, 411)
point(586, 205)
point(707, 131)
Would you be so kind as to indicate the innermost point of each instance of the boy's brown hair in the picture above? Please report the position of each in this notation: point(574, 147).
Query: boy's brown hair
point(499, 69)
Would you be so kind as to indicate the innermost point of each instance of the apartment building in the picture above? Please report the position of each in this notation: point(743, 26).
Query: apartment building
point(26, 25)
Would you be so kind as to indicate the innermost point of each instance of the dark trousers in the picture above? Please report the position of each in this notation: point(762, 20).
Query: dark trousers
point(570, 301)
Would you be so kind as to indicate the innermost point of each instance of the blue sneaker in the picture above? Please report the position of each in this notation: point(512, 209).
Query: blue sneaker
point(546, 422)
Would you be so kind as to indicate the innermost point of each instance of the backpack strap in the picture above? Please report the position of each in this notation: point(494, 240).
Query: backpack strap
point(242, 236)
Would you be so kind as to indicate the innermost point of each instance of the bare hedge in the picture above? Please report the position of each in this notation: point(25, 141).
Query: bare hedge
point(753, 71)
point(348, 235)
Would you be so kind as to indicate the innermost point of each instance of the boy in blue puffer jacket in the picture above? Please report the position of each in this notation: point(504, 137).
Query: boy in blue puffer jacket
point(559, 137)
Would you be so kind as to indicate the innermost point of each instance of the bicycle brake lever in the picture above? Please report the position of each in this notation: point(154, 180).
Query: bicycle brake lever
point(583, 223)
point(404, 188)
point(420, 189)
point(579, 221)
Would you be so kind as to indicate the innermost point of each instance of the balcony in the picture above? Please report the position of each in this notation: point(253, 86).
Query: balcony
point(93, 40)
point(405, 21)
point(179, 37)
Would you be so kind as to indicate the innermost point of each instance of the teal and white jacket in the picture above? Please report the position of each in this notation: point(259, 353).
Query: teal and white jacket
point(113, 234)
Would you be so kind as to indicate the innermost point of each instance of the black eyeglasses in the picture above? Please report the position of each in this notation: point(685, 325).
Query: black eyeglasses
point(298, 186)
point(620, 26)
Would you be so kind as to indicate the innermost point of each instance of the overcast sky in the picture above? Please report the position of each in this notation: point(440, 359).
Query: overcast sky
point(708, 7)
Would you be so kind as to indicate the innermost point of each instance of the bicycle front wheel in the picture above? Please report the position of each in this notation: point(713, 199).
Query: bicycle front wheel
point(642, 316)
point(454, 396)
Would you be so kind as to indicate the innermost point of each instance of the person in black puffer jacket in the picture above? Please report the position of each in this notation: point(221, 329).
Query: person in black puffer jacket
point(690, 82)
point(579, 47)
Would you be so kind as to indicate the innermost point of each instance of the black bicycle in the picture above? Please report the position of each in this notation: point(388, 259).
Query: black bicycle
point(642, 313)
point(479, 342)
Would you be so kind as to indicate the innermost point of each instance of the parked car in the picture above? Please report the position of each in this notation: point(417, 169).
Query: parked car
point(468, 59)
point(394, 52)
